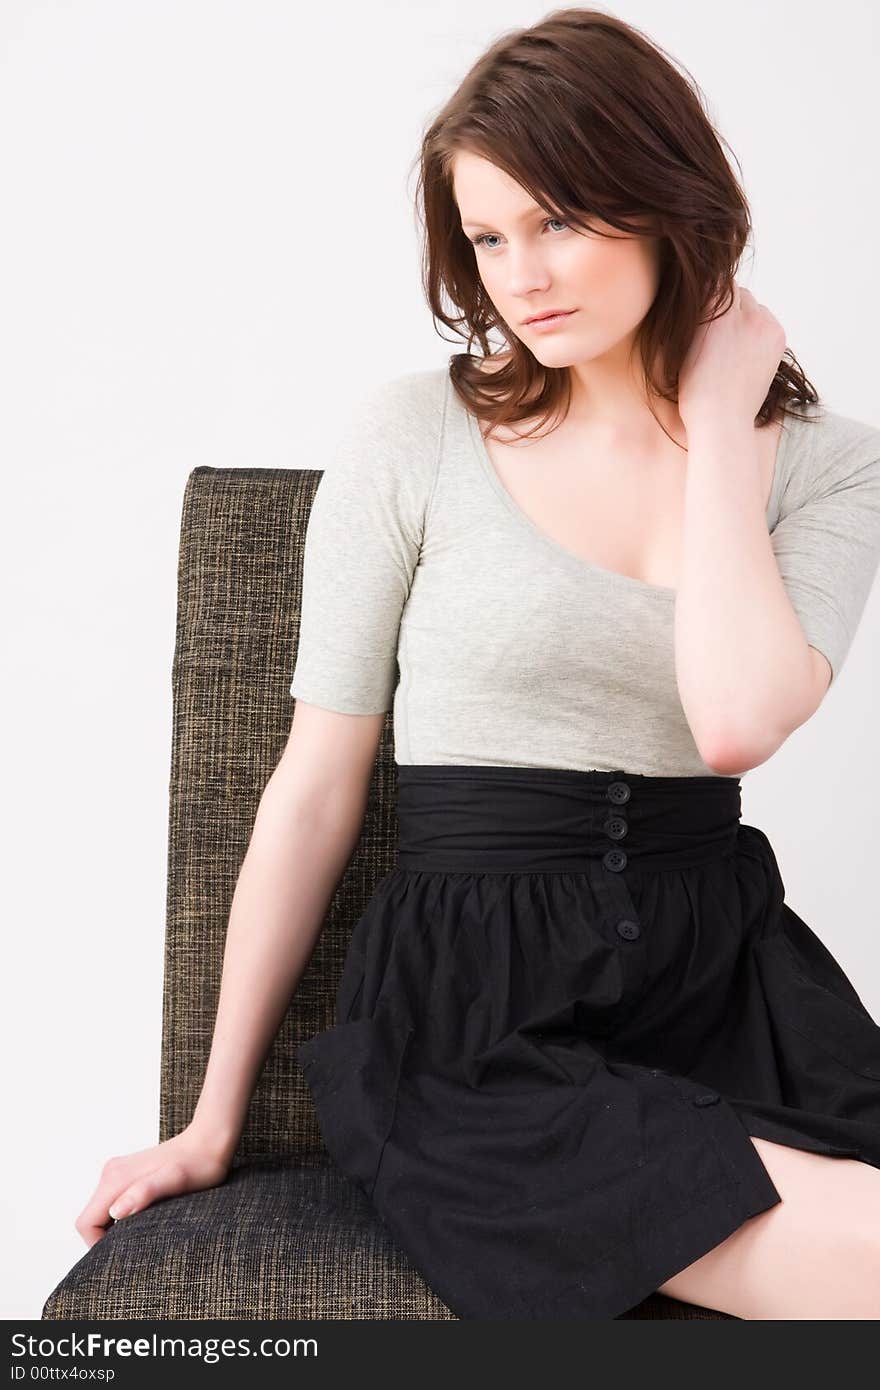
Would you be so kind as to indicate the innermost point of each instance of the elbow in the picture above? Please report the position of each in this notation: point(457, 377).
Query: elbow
point(729, 760)
point(731, 754)
point(735, 745)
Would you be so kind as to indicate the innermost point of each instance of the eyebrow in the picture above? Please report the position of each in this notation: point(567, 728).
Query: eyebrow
point(524, 217)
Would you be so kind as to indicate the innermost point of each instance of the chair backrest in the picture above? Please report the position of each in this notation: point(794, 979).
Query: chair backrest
point(238, 606)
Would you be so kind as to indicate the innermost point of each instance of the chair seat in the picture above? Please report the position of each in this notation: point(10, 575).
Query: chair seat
point(282, 1237)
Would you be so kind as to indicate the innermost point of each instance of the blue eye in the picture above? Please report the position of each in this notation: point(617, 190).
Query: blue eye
point(480, 240)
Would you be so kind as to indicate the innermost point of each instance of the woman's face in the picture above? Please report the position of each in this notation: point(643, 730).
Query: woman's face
point(529, 263)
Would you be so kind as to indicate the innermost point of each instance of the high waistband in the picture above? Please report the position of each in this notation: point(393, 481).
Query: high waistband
point(468, 817)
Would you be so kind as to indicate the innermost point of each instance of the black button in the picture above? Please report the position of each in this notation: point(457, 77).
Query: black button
point(708, 1098)
point(628, 929)
point(618, 792)
point(614, 859)
point(616, 827)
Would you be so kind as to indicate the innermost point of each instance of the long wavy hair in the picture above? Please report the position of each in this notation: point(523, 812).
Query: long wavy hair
point(593, 120)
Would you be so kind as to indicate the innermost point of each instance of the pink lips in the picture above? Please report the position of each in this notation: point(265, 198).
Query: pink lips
point(549, 321)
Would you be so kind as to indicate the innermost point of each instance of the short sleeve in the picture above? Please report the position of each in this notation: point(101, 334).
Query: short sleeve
point(827, 540)
point(362, 546)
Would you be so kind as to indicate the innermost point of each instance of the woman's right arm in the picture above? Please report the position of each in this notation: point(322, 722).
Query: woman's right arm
point(307, 826)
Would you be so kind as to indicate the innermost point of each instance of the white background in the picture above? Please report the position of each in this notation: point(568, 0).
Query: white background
point(208, 249)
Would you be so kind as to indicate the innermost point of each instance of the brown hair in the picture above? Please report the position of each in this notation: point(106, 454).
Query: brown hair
point(594, 120)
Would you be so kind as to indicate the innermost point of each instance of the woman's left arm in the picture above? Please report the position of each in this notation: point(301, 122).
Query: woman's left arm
point(747, 677)
point(763, 620)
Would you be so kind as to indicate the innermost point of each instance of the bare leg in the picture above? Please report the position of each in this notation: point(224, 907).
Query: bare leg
point(816, 1254)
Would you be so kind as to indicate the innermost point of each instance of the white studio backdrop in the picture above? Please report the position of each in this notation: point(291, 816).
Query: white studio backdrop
point(208, 252)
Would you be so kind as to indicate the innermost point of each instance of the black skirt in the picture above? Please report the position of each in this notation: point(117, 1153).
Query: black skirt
point(560, 1018)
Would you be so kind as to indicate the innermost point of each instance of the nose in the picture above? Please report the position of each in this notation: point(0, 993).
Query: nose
point(527, 286)
point(527, 276)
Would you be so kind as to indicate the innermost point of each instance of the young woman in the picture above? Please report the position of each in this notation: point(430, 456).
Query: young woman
point(584, 1050)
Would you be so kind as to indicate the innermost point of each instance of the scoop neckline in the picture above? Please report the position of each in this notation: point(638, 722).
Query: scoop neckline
point(588, 567)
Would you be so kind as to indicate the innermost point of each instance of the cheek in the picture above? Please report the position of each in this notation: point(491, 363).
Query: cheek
point(614, 276)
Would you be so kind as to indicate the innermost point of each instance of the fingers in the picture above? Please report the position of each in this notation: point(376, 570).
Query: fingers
point(146, 1188)
point(748, 300)
point(117, 1180)
point(130, 1184)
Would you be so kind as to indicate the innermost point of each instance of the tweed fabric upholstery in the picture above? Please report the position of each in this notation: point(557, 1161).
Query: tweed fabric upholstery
point(281, 1238)
point(286, 1235)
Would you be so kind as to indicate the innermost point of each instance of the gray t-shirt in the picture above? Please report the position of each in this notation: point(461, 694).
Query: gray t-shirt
point(427, 590)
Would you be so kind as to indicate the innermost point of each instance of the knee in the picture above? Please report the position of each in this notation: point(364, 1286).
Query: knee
point(834, 1271)
point(861, 1259)
point(798, 1260)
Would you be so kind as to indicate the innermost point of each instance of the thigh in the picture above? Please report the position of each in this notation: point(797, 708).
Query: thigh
point(815, 1254)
